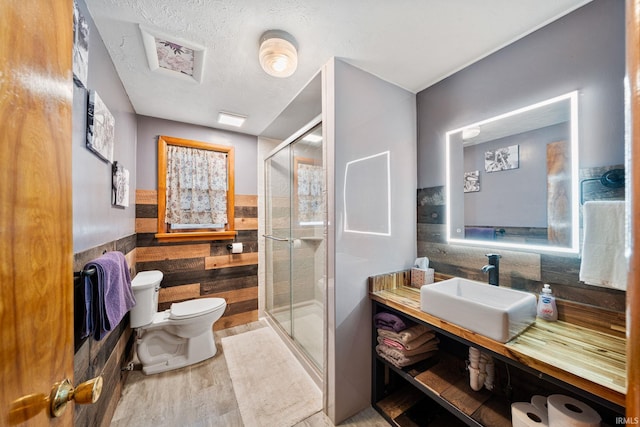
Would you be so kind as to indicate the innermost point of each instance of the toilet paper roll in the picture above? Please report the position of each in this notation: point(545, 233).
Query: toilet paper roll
point(297, 243)
point(524, 414)
point(539, 402)
point(236, 248)
point(565, 411)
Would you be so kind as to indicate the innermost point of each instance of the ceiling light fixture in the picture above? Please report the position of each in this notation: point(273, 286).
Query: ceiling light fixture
point(471, 132)
point(278, 54)
point(313, 138)
point(231, 119)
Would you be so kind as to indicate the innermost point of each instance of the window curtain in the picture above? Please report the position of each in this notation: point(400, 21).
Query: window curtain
point(196, 186)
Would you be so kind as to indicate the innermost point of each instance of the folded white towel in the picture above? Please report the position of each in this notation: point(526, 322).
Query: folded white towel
point(603, 260)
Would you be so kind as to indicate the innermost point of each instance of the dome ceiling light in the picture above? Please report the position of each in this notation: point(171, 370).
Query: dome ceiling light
point(278, 54)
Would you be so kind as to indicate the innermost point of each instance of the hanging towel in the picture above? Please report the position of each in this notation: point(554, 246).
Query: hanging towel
point(108, 294)
point(603, 260)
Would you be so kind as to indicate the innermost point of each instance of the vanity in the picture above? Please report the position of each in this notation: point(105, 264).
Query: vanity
point(547, 358)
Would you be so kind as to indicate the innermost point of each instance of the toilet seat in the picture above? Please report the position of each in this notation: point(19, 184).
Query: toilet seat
point(194, 308)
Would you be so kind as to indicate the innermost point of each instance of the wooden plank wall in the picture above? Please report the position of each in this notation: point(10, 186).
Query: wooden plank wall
point(107, 356)
point(523, 270)
point(203, 269)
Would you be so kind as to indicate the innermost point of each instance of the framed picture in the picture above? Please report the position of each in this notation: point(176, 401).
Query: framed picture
point(471, 181)
point(501, 159)
point(100, 128)
point(120, 185)
point(80, 48)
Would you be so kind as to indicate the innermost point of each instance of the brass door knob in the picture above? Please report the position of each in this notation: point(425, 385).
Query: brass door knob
point(63, 392)
point(29, 406)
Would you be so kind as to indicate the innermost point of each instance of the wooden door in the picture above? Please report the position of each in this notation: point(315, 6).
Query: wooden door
point(36, 277)
point(633, 282)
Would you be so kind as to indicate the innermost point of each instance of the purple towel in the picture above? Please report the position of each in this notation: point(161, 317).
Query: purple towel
point(390, 322)
point(108, 294)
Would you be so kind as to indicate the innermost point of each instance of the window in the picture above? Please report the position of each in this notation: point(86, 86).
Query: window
point(195, 190)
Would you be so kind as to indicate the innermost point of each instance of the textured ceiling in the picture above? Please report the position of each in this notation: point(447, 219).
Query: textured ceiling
point(412, 43)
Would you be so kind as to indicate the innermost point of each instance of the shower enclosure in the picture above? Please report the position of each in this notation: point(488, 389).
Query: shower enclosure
point(295, 241)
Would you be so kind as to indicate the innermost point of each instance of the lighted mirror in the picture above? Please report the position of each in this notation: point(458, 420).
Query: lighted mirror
point(512, 180)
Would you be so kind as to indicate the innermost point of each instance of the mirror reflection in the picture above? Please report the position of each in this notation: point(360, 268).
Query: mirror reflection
point(512, 180)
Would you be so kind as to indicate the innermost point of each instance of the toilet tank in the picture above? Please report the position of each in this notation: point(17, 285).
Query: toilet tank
point(145, 286)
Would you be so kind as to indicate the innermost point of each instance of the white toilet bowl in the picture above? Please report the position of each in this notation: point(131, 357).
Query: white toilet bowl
point(177, 337)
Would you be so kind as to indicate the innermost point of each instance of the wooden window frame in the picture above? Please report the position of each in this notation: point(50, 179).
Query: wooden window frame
point(163, 233)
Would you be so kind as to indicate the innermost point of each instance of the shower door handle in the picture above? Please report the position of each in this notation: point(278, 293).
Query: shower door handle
point(277, 239)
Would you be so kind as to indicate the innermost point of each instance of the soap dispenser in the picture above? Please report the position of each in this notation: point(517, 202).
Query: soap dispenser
point(547, 309)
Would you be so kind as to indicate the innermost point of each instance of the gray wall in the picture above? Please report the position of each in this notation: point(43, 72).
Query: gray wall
point(246, 149)
point(95, 220)
point(363, 116)
point(582, 51)
point(501, 201)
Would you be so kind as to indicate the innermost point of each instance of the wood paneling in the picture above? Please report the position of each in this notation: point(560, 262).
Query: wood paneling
point(179, 293)
point(519, 270)
point(594, 190)
point(246, 223)
point(237, 295)
point(247, 200)
point(108, 355)
point(146, 225)
point(159, 253)
point(203, 269)
point(147, 197)
point(633, 282)
point(231, 260)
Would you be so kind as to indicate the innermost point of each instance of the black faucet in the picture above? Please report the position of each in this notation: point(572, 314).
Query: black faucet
point(493, 268)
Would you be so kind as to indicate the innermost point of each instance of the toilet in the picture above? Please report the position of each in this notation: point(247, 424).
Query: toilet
point(177, 337)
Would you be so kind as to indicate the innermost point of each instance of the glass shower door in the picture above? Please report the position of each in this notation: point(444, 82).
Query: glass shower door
point(277, 238)
point(295, 250)
point(308, 248)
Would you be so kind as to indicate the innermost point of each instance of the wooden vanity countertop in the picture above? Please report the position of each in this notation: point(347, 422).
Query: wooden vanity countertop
point(590, 360)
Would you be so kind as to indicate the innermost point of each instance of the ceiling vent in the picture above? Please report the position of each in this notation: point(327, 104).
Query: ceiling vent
point(172, 56)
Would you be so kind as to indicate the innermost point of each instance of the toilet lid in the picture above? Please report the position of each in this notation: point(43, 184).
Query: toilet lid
point(146, 279)
point(194, 307)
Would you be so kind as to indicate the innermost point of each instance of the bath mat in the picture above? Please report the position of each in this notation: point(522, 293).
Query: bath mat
point(271, 387)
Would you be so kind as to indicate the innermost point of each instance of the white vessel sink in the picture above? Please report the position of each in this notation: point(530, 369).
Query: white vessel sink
point(497, 313)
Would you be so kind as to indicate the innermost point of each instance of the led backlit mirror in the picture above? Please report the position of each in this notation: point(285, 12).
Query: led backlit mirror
point(512, 180)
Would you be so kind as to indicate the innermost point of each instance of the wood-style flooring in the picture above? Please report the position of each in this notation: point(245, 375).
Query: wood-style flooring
point(202, 395)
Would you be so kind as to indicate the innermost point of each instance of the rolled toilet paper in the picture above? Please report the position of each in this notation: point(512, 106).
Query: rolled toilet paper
point(565, 411)
point(524, 414)
point(236, 248)
point(539, 402)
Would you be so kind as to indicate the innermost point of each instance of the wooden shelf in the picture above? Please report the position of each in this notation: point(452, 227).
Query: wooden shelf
point(447, 384)
point(409, 407)
point(548, 357)
point(589, 361)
